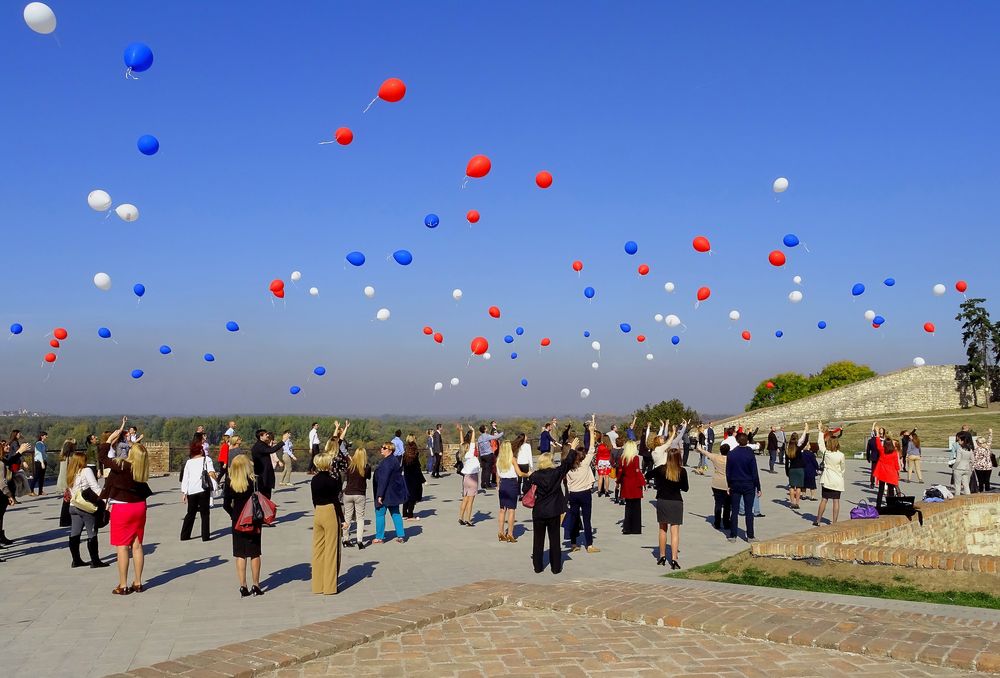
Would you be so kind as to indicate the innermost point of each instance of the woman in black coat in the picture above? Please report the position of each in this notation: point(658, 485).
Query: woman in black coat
point(550, 504)
point(414, 477)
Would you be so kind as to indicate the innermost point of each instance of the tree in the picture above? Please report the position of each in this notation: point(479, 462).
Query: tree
point(982, 346)
point(674, 410)
point(789, 386)
point(839, 374)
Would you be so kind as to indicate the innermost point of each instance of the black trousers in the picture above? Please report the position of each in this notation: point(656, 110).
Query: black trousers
point(436, 473)
point(408, 509)
point(38, 481)
point(983, 479)
point(893, 491)
point(312, 458)
point(633, 517)
point(524, 481)
point(541, 527)
point(486, 472)
point(723, 505)
point(3, 510)
point(197, 503)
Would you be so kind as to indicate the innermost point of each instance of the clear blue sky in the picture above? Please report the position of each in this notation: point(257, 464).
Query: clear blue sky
point(659, 122)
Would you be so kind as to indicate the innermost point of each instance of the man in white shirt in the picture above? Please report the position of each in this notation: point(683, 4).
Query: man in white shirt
point(313, 446)
point(231, 431)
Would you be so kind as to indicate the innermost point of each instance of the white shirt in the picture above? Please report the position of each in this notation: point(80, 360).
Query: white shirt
point(191, 484)
point(731, 441)
point(613, 437)
point(230, 432)
point(313, 437)
point(524, 455)
point(84, 479)
point(509, 473)
point(470, 464)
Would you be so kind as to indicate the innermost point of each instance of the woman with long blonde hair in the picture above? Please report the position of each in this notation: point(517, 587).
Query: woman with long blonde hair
point(508, 472)
point(359, 472)
point(631, 483)
point(246, 545)
point(82, 483)
point(670, 480)
point(126, 491)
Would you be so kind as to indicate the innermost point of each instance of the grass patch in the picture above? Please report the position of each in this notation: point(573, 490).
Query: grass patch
point(884, 582)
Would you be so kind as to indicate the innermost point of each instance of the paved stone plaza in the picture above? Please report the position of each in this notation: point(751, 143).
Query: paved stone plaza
point(192, 602)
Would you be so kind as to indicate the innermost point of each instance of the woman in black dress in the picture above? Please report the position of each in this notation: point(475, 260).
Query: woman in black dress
point(414, 477)
point(246, 545)
point(670, 480)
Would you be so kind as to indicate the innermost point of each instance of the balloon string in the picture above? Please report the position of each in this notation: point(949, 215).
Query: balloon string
point(806, 247)
point(369, 105)
point(129, 75)
point(465, 181)
point(332, 141)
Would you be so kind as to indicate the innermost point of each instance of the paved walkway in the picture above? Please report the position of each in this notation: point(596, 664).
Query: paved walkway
point(192, 603)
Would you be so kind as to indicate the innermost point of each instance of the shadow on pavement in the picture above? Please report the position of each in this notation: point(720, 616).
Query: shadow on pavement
point(190, 567)
point(299, 572)
point(356, 573)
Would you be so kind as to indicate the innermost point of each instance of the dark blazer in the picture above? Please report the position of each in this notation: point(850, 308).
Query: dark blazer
point(438, 443)
point(741, 470)
point(263, 468)
point(414, 478)
point(550, 501)
point(389, 482)
point(772, 442)
point(710, 435)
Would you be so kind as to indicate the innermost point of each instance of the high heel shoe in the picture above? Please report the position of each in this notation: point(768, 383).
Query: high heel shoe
point(662, 561)
point(511, 539)
point(674, 565)
point(501, 536)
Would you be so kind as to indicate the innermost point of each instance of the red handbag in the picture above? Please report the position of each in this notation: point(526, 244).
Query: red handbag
point(528, 500)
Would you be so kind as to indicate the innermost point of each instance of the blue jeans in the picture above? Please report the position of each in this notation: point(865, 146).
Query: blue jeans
point(756, 505)
point(736, 496)
point(397, 521)
point(580, 503)
point(773, 454)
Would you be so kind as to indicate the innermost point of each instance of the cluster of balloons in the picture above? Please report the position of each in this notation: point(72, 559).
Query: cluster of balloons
point(438, 337)
point(59, 335)
point(100, 201)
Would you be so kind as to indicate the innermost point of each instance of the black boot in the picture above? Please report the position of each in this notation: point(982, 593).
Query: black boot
point(95, 558)
point(4, 540)
point(74, 550)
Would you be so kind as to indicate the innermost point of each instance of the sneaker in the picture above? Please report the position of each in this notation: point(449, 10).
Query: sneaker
point(759, 515)
point(731, 539)
point(753, 540)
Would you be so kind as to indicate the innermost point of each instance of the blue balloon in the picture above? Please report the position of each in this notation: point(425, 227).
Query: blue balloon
point(165, 350)
point(779, 334)
point(209, 358)
point(139, 289)
point(148, 144)
point(586, 333)
point(878, 320)
point(319, 371)
point(821, 324)
point(858, 289)
point(16, 328)
point(513, 356)
point(675, 340)
point(508, 339)
point(589, 292)
point(232, 326)
point(431, 221)
point(625, 327)
point(103, 332)
point(889, 282)
point(631, 247)
point(403, 257)
point(519, 331)
point(136, 374)
point(294, 390)
point(138, 57)
point(355, 258)
point(524, 382)
point(790, 240)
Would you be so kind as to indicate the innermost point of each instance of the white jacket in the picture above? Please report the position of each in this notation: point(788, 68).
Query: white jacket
point(191, 480)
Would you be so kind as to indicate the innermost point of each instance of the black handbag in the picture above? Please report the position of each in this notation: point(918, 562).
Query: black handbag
point(206, 480)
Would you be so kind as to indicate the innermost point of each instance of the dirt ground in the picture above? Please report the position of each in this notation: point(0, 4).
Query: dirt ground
point(928, 580)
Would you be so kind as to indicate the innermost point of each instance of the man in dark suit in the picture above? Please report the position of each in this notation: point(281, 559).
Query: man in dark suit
point(264, 456)
point(744, 484)
point(438, 446)
point(709, 437)
point(772, 447)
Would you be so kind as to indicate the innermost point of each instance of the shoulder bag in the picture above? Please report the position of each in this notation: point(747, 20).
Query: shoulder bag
point(206, 480)
point(528, 500)
point(863, 511)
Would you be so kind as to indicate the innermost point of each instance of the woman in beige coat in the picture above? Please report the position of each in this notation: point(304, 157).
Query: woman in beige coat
point(832, 479)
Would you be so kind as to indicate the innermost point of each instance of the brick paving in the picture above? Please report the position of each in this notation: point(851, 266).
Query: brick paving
point(530, 642)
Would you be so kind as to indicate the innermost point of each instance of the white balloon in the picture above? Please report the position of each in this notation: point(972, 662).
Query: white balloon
point(596, 345)
point(314, 291)
point(584, 392)
point(127, 212)
point(672, 320)
point(939, 289)
point(795, 296)
point(383, 314)
point(369, 291)
point(438, 386)
point(454, 381)
point(99, 200)
point(797, 280)
point(296, 276)
point(918, 362)
point(102, 281)
point(39, 17)
point(780, 185)
point(487, 356)
point(734, 315)
point(869, 315)
point(669, 287)
point(594, 365)
point(456, 294)
point(658, 317)
point(649, 356)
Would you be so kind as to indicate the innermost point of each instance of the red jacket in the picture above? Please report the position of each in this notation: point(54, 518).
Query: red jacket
point(887, 468)
point(631, 479)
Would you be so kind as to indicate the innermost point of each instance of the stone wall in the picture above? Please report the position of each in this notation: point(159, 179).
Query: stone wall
point(915, 389)
point(159, 458)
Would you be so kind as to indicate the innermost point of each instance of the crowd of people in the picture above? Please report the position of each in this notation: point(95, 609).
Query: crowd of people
point(107, 483)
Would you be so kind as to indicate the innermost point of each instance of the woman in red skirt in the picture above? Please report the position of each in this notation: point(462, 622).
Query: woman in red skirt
point(125, 491)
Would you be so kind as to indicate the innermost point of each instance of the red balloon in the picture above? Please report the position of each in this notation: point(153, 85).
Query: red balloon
point(641, 338)
point(276, 284)
point(343, 135)
point(545, 341)
point(961, 286)
point(777, 258)
point(54, 343)
point(50, 357)
point(769, 384)
point(428, 330)
point(746, 335)
point(478, 167)
point(438, 337)
point(472, 216)
point(543, 179)
point(392, 90)
point(929, 327)
point(479, 346)
point(701, 244)
point(704, 293)
point(494, 312)
point(577, 265)
point(60, 333)
point(876, 325)
point(643, 269)
point(279, 293)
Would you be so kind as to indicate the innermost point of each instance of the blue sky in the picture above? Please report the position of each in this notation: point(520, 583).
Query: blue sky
point(658, 121)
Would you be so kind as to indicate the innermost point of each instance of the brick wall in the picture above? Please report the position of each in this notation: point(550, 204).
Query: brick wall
point(159, 458)
point(915, 389)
